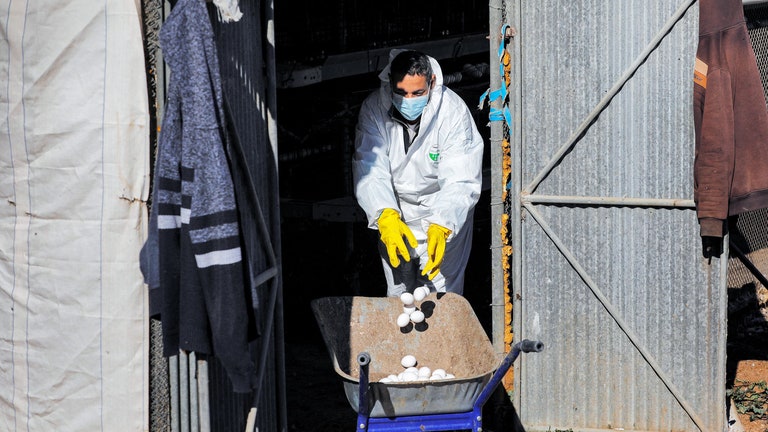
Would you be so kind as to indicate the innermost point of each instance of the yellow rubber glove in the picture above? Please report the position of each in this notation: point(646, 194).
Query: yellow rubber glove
point(392, 229)
point(436, 236)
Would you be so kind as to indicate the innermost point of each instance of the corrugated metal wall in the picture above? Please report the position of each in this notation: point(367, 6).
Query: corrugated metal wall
point(247, 62)
point(607, 268)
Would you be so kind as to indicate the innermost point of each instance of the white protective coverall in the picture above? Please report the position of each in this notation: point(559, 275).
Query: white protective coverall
point(437, 180)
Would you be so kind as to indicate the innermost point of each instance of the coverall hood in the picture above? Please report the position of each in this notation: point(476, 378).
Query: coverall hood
point(435, 92)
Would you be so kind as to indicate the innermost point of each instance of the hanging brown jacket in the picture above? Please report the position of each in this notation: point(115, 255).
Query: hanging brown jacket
point(730, 118)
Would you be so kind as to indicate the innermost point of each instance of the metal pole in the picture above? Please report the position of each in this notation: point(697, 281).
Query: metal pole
point(607, 201)
point(204, 399)
point(271, 91)
point(194, 393)
point(516, 223)
point(497, 188)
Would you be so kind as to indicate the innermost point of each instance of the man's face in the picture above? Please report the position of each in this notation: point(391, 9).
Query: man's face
point(413, 86)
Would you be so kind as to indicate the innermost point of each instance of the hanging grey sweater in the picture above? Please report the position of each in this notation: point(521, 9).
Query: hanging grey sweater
point(193, 257)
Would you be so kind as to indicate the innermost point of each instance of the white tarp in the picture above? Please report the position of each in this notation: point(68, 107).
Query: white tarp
point(74, 175)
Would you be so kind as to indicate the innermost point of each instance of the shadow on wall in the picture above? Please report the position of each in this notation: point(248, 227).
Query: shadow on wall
point(747, 296)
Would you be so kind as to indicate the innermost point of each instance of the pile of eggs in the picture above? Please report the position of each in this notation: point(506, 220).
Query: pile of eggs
point(412, 314)
point(413, 373)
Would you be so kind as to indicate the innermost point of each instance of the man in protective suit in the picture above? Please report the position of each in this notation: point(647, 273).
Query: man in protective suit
point(418, 173)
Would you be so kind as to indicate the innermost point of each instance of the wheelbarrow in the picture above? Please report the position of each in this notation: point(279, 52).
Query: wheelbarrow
point(450, 338)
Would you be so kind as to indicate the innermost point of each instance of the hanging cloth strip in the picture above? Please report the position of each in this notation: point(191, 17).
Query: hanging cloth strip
point(228, 10)
point(504, 113)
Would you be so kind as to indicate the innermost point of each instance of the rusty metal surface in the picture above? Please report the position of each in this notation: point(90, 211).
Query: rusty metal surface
point(450, 338)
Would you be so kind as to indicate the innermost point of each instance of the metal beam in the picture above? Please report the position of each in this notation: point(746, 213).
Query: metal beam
point(364, 62)
point(607, 201)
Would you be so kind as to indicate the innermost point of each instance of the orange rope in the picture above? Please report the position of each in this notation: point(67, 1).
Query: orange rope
point(506, 250)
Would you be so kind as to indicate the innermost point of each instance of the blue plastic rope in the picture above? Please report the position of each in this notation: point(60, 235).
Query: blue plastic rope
point(496, 114)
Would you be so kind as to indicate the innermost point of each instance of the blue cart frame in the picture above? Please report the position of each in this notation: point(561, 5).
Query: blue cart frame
point(470, 420)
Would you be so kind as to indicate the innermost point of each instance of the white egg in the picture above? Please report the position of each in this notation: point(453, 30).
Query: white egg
point(412, 369)
point(408, 361)
point(419, 293)
point(424, 371)
point(406, 298)
point(409, 376)
point(385, 380)
point(440, 372)
point(409, 309)
point(403, 319)
point(425, 291)
point(393, 378)
point(417, 316)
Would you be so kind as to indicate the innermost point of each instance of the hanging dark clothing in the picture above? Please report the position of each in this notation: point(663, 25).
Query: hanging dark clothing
point(194, 226)
point(730, 118)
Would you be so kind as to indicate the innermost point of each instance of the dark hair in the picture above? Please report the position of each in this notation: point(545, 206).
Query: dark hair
point(409, 63)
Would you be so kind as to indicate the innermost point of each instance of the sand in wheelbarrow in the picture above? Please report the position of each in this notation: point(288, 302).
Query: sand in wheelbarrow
point(450, 338)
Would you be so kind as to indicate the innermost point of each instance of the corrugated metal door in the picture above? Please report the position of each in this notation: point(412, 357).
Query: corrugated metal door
point(607, 268)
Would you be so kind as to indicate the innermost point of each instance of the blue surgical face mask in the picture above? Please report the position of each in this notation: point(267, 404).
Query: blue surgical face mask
point(410, 108)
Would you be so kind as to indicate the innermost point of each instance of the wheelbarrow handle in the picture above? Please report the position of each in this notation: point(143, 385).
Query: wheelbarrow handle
point(363, 359)
point(531, 346)
point(524, 345)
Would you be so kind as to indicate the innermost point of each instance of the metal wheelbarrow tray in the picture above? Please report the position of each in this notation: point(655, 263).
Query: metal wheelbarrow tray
point(366, 345)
